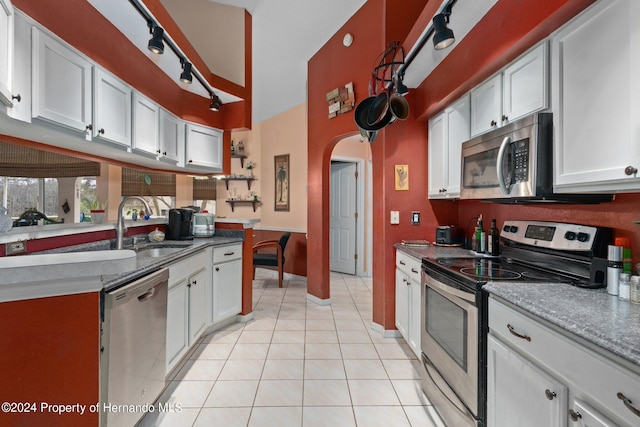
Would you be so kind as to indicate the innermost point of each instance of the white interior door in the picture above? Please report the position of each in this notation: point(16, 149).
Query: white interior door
point(343, 217)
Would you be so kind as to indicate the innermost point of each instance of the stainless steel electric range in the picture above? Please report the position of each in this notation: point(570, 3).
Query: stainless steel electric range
point(454, 307)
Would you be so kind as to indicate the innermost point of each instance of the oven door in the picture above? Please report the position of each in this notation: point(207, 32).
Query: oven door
point(450, 337)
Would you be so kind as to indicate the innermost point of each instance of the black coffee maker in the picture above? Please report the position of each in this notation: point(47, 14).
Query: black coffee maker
point(179, 227)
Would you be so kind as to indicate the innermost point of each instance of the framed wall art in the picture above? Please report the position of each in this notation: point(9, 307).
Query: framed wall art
point(282, 177)
point(402, 177)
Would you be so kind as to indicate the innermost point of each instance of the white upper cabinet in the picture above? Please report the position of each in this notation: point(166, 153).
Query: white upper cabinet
point(171, 137)
point(519, 90)
point(111, 109)
point(21, 82)
point(146, 125)
point(596, 99)
point(525, 85)
point(6, 52)
point(447, 131)
point(203, 148)
point(486, 106)
point(61, 86)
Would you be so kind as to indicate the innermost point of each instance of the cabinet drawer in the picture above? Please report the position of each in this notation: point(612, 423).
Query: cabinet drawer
point(591, 376)
point(409, 265)
point(227, 253)
point(186, 267)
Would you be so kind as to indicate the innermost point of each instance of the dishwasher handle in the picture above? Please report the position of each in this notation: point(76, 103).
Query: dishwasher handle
point(149, 294)
point(141, 289)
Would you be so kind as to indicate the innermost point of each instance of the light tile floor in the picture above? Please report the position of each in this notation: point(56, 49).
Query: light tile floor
point(300, 364)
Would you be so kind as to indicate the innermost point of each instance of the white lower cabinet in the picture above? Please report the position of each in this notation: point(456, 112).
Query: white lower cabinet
point(538, 376)
point(187, 304)
point(408, 299)
point(227, 282)
point(520, 393)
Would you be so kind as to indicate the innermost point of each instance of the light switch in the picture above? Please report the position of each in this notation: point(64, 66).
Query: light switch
point(395, 217)
point(415, 218)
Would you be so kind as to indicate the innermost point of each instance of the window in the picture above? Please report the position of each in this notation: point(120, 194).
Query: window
point(19, 194)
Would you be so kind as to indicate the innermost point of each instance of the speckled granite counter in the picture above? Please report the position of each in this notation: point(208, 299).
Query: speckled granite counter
point(592, 315)
point(433, 251)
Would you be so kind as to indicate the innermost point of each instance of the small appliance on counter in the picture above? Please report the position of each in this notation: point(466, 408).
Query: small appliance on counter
point(204, 224)
point(448, 235)
point(179, 227)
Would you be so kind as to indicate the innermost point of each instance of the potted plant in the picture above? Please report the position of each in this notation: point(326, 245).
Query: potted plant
point(250, 165)
point(97, 209)
point(134, 214)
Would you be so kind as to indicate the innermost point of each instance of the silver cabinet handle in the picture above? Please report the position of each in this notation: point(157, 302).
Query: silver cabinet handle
point(629, 404)
point(575, 416)
point(513, 332)
point(630, 170)
point(550, 394)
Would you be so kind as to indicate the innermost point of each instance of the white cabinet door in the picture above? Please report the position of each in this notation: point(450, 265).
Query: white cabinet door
point(111, 108)
point(458, 119)
point(519, 393)
point(171, 137)
point(227, 289)
point(437, 156)
point(415, 305)
point(525, 85)
point(596, 99)
point(61, 86)
point(21, 81)
point(6, 51)
point(402, 303)
point(177, 324)
point(583, 415)
point(204, 148)
point(486, 106)
point(146, 125)
point(198, 304)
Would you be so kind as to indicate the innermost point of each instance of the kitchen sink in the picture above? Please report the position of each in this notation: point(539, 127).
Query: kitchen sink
point(157, 251)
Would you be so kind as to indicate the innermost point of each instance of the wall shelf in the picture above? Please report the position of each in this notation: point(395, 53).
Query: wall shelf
point(244, 202)
point(239, 156)
point(247, 178)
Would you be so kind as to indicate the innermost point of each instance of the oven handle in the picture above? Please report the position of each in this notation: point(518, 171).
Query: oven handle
point(467, 296)
point(503, 148)
point(427, 363)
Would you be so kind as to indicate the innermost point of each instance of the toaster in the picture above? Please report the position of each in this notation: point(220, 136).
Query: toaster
point(204, 224)
point(448, 235)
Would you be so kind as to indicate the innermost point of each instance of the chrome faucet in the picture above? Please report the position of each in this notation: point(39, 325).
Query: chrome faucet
point(120, 228)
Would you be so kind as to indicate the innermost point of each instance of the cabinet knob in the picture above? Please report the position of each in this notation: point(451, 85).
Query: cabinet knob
point(493, 123)
point(101, 131)
point(630, 170)
point(195, 282)
point(190, 161)
point(158, 151)
point(575, 416)
point(550, 394)
point(17, 97)
point(89, 126)
point(504, 118)
point(217, 268)
point(164, 153)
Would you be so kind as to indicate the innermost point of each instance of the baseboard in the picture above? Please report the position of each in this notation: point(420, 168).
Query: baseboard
point(244, 318)
point(317, 300)
point(386, 333)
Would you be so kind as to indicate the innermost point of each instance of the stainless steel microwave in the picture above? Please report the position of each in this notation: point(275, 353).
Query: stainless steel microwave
point(514, 164)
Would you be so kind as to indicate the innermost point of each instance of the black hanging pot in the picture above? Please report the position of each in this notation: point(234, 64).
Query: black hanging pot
point(399, 106)
point(362, 112)
point(378, 108)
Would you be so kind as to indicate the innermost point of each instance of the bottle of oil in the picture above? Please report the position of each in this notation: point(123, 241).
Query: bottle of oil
point(480, 237)
point(493, 242)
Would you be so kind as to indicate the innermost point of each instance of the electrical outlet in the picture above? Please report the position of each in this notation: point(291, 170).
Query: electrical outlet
point(14, 248)
point(415, 218)
point(395, 217)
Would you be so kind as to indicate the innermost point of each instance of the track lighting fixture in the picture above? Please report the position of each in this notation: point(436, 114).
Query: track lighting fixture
point(215, 103)
point(401, 88)
point(443, 36)
point(156, 45)
point(185, 76)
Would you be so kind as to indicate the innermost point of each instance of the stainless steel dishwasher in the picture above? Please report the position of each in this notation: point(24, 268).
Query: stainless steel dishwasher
point(132, 365)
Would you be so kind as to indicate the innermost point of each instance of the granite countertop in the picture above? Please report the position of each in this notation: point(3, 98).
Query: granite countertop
point(433, 251)
point(590, 314)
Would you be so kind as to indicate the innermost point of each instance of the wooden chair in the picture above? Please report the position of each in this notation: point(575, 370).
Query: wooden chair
point(270, 260)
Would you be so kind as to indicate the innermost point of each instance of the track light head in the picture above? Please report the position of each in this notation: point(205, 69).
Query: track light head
point(215, 103)
point(443, 36)
point(401, 88)
point(185, 76)
point(156, 45)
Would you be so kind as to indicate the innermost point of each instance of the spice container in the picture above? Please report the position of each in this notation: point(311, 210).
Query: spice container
point(635, 289)
point(614, 268)
point(624, 287)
